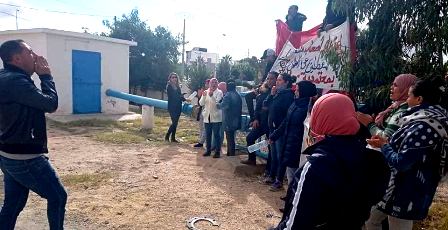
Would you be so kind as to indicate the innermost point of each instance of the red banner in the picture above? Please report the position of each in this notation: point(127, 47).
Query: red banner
point(297, 39)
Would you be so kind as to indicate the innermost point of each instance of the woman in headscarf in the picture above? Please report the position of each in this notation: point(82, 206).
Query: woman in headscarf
point(175, 99)
point(329, 191)
point(292, 129)
point(417, 155)
point(386, 123)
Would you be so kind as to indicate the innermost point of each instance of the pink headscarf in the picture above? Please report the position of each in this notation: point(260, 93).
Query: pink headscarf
point(403, 82)
point(333, 114)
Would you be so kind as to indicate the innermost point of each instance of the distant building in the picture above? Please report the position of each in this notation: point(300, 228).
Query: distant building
point(211, 59)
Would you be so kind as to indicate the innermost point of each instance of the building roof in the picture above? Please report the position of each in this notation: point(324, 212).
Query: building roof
point(69, 34)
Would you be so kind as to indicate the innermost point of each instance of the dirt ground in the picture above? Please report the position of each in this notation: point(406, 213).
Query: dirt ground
point(160, 186)
point(117, 188)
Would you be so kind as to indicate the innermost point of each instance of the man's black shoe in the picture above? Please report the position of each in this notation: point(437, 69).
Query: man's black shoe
point(198, 145)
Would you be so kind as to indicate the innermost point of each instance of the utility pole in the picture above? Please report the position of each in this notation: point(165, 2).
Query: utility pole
point(17, 23)
point(183, 52)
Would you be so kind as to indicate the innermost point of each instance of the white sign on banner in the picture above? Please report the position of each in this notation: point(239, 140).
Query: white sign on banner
point(308, 61)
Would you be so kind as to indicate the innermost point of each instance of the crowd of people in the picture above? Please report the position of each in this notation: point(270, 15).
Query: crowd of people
point(360, 169)
point(354, 180)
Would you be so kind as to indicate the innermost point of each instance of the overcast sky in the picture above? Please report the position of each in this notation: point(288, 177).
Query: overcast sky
point(239, 28)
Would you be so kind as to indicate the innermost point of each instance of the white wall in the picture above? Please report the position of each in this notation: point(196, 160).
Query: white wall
point(36, 41)
point(193, 55)
point(114, 70)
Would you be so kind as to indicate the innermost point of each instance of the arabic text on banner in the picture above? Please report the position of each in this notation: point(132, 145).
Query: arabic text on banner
point(309, 63)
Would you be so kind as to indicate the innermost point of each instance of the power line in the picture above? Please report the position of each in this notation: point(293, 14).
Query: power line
point(57, 11)
point(12, 15)
point(3, 12)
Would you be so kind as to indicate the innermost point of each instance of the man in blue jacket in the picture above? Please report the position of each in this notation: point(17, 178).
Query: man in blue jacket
point(23, 135)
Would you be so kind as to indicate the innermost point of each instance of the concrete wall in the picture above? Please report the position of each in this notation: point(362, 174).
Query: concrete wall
point(38, 43)
point(114, 70)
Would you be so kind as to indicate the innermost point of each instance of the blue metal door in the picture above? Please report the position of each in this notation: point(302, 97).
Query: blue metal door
point(86, 79)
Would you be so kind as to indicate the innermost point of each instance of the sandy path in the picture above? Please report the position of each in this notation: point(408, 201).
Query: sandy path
point(129, 197)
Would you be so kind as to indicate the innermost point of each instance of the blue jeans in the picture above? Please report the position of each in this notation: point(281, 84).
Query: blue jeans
point(221, 134)
point(36, 175)
point(215, 129)
point(276, 151)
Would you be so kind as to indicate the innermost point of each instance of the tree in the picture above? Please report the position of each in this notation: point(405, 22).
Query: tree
point(196, 74)
point(224, 68)
point(245, 70)
point(402, 36)
point(153, 58)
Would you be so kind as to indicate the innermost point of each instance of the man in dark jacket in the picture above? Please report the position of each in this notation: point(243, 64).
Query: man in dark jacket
point(332, 19)
point(294, 19)
point(23, 137)
point(231, 106)
point(292, 129)
point(260, 121)
point(269, 57)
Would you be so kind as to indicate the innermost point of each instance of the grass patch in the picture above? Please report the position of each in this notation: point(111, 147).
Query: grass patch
point(120, 137)
point(130, 132)
point(85, 180)
point(437, 218)
point(93, 123)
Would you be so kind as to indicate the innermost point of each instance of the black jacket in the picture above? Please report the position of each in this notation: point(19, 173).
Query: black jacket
point(261, 112)
point(175, 99)
point(22, 111)
point(296, 23)
point(231, 106)
point(292, 128)
point(278, 107)
point(332, 17)
point(337, 187)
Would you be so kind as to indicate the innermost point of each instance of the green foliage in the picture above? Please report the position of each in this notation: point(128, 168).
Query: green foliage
point(235, 73)
point(402, 37)
point(245, 70)
point(153, 58)
point(339, 59)
point(196, 74)
point(224, 67)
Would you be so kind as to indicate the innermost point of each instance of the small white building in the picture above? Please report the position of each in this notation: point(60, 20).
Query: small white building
point(83, 66)
point(211, 59)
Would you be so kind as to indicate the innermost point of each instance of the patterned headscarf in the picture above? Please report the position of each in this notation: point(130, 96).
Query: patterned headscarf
point(403, 82)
